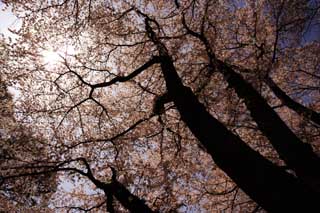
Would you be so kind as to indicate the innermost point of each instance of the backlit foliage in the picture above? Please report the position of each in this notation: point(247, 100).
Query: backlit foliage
point(87, 110)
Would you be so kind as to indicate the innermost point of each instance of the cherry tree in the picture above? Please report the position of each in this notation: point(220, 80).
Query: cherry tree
point(169, 105)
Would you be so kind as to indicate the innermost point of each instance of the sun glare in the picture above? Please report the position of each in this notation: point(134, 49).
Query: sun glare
point(52, 57)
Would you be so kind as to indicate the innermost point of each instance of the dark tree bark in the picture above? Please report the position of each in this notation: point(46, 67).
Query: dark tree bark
point(298, 156)
point(114, 189)
point(126, 198)
point(267, 184)
point(307, 113)
point(120, 192)
point(110, 207)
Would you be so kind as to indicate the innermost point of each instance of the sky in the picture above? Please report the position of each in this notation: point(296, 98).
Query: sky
point(7, 20)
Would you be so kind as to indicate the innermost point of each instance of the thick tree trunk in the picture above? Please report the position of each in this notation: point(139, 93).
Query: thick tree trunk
point(126, 198)
point(267, 184)
point(298, 156)
point(272, 188)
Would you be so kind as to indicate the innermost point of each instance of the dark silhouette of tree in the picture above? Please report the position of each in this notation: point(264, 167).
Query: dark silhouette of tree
point(135, 99)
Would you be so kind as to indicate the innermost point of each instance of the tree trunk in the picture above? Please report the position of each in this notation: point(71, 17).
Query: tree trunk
point(267, 184)
point(309, 114)
point(271, 187)
point(298, 156)
point(126, 198)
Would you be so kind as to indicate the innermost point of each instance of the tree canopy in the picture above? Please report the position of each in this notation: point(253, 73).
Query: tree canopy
point(161, 106)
